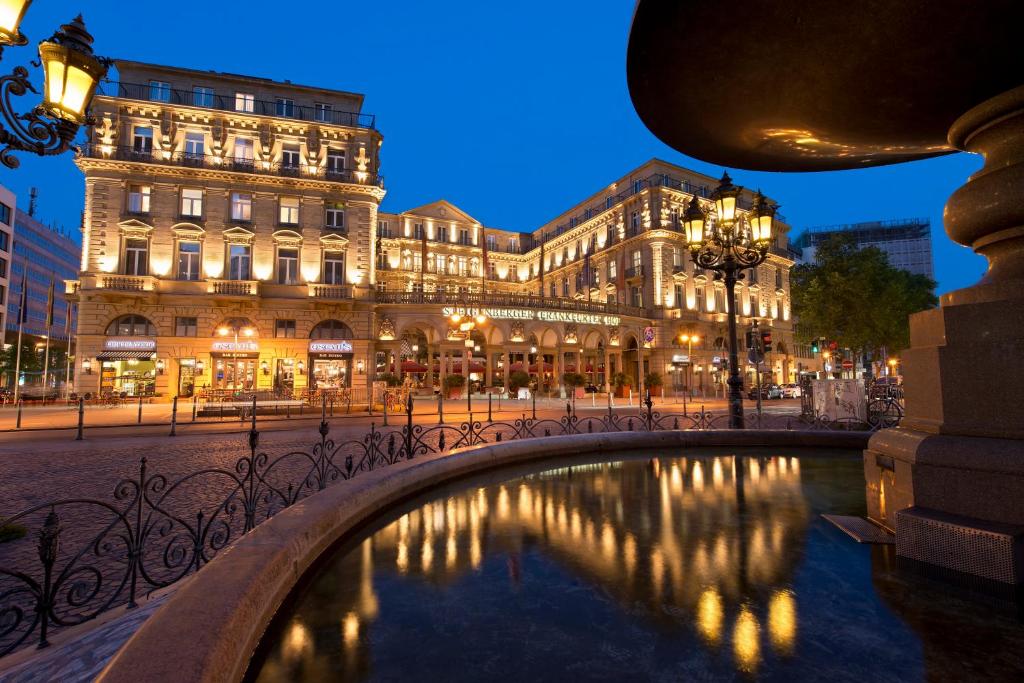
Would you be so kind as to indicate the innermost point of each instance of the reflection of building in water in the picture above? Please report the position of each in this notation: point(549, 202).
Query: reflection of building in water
point(709, 541)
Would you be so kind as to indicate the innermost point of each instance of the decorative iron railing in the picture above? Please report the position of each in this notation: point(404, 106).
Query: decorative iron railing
point(83, 556)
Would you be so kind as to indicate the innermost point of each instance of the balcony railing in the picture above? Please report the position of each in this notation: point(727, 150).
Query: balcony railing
point(321, 291)
point(139, 91)
point(634, 272)
point(194, 160)
point(531, 301)
point(234, 287)
point(127, 283)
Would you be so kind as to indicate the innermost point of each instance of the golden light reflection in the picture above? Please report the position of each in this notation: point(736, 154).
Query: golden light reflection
point(710, 615)
point(782, 621)
point(746, 640)
point(296, 642)
point(698, 477)
point(350, 629)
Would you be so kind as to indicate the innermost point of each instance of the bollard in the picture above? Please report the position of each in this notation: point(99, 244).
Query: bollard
point(533, 394)
point(440, 409)
point(323, 410)
point(81, 418)
point(139, 420)
point(222, 410)
point(174, 416)
point(489, 418)
point(193, 408)
point(288, 410)
point(385, 409)
point(469, 399)
point(630, 397)
point(21, 401)
point(332, 405)
point(254, 413)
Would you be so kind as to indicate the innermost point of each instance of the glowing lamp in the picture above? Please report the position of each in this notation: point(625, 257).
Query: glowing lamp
point(455, 317)
point(725, 197)
point(693, 224)
point(71, 72)
point(87, 366)
point(222, 331)
point(248, 331)
point(160, 366)
point(480, 318)
point(761, 219)
point(11, 12)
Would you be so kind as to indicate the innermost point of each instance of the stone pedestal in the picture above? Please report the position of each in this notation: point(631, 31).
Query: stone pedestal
point(959, 453)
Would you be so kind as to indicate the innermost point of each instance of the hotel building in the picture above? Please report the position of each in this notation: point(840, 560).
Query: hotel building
point(232, 240)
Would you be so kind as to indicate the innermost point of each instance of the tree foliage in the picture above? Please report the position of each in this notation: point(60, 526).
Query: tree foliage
point(856, 298)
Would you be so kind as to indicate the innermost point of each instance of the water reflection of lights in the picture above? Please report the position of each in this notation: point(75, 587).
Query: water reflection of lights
point(782, 621)
point(710, 615)
point(746, 643)
point(296, 642)
point(350, 629)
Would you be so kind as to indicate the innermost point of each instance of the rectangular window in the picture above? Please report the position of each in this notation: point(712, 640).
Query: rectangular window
point(752, 276)
point(188, 260)
point(611, 271)
point(285, 107)
point(290, 156)
point(159, 91)
point(778, 279)
point(138, 198)
point(702, 299)
point(5, 214)
point(634, 220)
point(638, 297)
point(135, 261)
point(464, 237)
point(637, 257)
point(194, 145)
point(284, 328)
point(287, 266)
point(241, 206)
point(244, 150)
point(441, 261)
point(755, 307)
point(5, 241)
point(335, 162)
point(492, 243)
point(461, 262)
point(677, 258)
point(442, 233)
point(719, 300)
point(565, 287)
point(335, 216)
point(678, 300)
point(288, 211)
point(142, 140)
point(245, 102)
point(513, 245)
point(554, 290)
point(383, 229)
point(322, 112)
point(191, 203)
point(202, 96)
point(3, 272)
point(417, 231)
point(334, 267)
point(239, 260)
point(185, 327)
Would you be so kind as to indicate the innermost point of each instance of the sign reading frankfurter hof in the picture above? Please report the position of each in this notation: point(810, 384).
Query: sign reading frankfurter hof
point(129, 344)
point(330, 347)
point(529, 314)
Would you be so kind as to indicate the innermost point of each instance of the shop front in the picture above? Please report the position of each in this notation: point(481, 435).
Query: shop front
point(235, 364)
point(128, 367)
point(330, 364)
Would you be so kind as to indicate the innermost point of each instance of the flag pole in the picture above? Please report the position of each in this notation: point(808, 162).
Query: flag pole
point(22, 316)
point(67, 355)
point(49, 327)
point(17, 363)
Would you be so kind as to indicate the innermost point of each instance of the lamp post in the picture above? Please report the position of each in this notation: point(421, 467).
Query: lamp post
point(71, 73)
point(689, 340)
point(729, 244)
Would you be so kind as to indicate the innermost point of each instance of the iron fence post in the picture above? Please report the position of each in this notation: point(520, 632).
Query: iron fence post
point(174, 416)
point(533, 395)
point(81, 418)
point(408, 426)
point(490, 418)
point(385, 408)
point(139, 419)
point(49, 544)
point(440, 409)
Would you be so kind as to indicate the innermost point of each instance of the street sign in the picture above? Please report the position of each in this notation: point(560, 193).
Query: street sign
point(847, 364)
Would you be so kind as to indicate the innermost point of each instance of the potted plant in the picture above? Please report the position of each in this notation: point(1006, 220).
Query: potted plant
point(453, 385)
point(517, 380)
point(620, 381)
point(574, 381)
point(390, 379)
point(655, 384)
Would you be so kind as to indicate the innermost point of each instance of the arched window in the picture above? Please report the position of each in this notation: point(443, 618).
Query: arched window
point(131, 326)
point(331, 329)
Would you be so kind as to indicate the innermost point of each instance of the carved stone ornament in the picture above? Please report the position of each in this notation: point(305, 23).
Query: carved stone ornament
point(386, 330)
point(571, 334)
point(518, 333)
point(613, 336)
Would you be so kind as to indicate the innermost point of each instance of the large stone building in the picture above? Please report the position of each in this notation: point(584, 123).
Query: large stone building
point(233, 240)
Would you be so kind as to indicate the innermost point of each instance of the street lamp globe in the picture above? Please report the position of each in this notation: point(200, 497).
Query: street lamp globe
point(480, 318)
point(11, 13)
point(725, 197)
point(693, 224)
point(248, 331)
point(223, 331)
point(71, 71)
point(761, 219)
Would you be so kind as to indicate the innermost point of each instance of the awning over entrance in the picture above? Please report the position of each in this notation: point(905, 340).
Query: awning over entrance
point(124, 355)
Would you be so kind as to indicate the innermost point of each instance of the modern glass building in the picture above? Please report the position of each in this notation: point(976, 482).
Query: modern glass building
point(907, 242)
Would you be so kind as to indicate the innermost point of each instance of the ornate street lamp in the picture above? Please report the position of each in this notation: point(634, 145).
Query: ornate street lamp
point(71, 73)
point(728, 245)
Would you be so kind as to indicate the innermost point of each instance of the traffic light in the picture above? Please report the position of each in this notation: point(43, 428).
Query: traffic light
point(815, 348)
point(766, 341)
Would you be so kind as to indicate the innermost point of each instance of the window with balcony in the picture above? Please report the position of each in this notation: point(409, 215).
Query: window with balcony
point(185, 327)
point(612, 268)
point(637, 186)
point(288, 211)
point(322, 111)
point(241, 206)
point(334, 268)
point(513, 245)
point(202, 96)
point(637, 259)
point(565, 287)
point(335, 216)
point(138, 198)
point(464, 237)
point(244, 152)
point(719, 300)
point(287, 266)
point(239, 261)
point(634, 221)
point(554, 290)
point(637, 297)
point(284, 329)
point(702, 299)
point(142, 140)
point(188, 260)
point(492, 243)
point(417, 231)
point(442, 233)
point(492, 270)
point(195, 145)
point(678, 296)
point(382, 261)
point(383, 229)
point(285, 106)
point(159, 91)
point(136, 253)
point(441, 265)
point(336, 162)
point(673, 218)
point(191, 203)
point(245, 102)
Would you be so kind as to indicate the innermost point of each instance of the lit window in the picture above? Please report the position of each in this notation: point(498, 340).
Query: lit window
point(241, 206)
point(287, 266)
point(135, 253)
point(289, 211)
point(244, 150)
point(201, 96)
point(138, 198)
point(334, 267)
point(322, 112)
point(142, 140)
point(290, 156)
point(194, 145)
point(188, 260)
point(191, 203)
point(239, 259)
point(335, 216)
point(159, 91)
point(245, 102)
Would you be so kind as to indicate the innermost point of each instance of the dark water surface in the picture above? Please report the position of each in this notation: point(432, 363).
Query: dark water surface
point(708, 566)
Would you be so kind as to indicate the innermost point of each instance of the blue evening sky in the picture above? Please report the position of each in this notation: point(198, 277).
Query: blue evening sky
point(512, 111)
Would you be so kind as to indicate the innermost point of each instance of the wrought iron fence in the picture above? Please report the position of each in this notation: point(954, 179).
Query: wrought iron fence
point(83, 556)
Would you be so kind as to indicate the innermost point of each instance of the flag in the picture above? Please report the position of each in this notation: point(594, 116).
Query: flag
point(23, 304)
point(483, 269)
point(588, 278)
point(49, 307)
point(542, 264)
point(67, 320)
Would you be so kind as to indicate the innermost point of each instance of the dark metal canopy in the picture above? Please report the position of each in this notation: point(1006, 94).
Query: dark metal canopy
point(790, 85)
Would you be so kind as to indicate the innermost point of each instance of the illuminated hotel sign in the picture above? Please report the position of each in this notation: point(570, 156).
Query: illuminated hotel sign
point(330, 347)
point(129, 344)
point(528, 314)
point(232, 346)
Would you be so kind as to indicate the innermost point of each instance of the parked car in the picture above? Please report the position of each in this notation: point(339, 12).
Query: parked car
point(768, 391)
point(590, 389)
point(791, 391)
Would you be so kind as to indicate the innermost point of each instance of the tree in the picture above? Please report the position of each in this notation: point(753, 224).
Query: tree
point(31, 360)
point(856, 298)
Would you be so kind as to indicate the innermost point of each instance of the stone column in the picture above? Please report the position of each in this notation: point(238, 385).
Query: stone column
point(429, 374)
point(556, 370)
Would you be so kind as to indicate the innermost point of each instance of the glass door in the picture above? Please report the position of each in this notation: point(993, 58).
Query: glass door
point(186, 377)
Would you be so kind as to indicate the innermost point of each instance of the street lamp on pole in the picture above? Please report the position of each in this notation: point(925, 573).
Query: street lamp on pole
point(729, 244)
